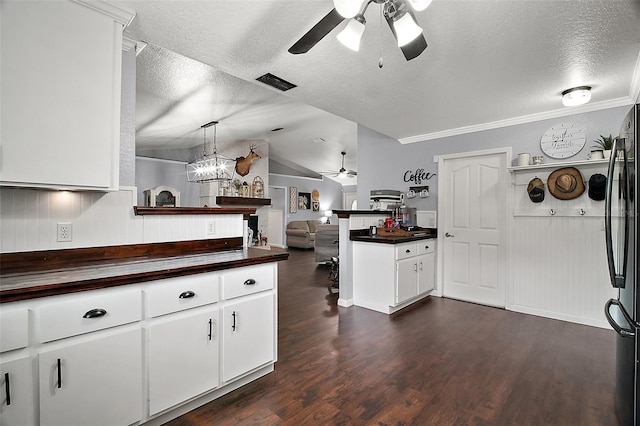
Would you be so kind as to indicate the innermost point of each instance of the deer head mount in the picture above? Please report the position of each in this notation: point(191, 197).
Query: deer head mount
point(243, 164)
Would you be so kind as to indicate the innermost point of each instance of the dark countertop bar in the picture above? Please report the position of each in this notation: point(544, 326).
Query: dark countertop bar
point(363, 235)
point(123, 271)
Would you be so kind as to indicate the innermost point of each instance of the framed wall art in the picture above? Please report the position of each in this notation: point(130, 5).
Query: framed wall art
point(315, 206)
point(304, 201)
point(293, 199)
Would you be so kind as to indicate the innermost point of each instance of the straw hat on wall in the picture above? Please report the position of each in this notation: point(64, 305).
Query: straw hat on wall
point(566, 183)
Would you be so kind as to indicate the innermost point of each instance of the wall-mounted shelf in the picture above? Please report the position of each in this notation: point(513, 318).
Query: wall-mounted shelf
point(146, 211)
point(558, 165)
point(242, 201)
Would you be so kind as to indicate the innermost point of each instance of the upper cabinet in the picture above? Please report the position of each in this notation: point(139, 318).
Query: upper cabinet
point(60, 93)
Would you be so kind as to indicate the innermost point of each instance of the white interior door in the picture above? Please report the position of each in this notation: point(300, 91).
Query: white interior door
point(473, 210)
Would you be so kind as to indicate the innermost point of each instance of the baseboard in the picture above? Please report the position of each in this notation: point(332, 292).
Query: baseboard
point(345, 303)
point(558, 316)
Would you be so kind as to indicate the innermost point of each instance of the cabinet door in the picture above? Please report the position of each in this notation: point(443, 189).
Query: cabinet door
point(93, 381)
point(183, 358)
point(406, 276)
point(248, 328)
point(61, 108)
point(16, 403)
point(426, 273)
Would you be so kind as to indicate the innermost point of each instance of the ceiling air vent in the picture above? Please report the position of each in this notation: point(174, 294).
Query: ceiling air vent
point(276, 82)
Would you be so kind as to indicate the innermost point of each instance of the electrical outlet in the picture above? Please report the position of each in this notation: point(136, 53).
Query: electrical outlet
point(211, 228)
point(64, 231)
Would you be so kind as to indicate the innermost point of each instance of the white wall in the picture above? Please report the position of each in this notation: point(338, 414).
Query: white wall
point(30, 217)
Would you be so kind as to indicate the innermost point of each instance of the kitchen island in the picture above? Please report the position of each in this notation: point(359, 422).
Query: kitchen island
point(162, 328)
point(392, 270)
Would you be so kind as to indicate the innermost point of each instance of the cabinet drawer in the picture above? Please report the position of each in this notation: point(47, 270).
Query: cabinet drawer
point(178, 294)
point(14, 328)
point(406, 250)
point(249, 280)
point(426, 246)
point(87, 312)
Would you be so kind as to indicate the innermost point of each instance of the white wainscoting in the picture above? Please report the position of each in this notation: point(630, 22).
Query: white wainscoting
point(30, 217)
point(558, 266)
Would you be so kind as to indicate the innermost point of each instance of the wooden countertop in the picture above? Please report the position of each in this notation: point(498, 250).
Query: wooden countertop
point(399, 237)
point(122, 271)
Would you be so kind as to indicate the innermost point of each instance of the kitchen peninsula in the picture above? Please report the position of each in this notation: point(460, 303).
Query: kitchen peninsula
point(392, 271)
point(387, 271)
point(167, 323)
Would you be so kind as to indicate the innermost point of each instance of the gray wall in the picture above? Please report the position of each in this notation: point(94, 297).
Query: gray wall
point(383, 161)
point(151, 172)
point(330, 195)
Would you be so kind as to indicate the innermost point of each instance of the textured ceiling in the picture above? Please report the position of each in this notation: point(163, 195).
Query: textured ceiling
point(489, 63)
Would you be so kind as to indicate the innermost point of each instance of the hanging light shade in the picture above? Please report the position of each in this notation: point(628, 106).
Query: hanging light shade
point(406, 29)
point(576, 96)
point(347, 8)
point(212, 167)
point(420, 5)
point(352, 33)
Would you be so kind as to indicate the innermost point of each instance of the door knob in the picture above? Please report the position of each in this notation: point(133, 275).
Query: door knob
point(448, 235)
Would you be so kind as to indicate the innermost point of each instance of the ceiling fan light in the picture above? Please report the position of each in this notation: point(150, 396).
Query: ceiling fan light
point(406, 29)
point(347, 8)
point(576, 96)
point(420, 5)
point(351, 35)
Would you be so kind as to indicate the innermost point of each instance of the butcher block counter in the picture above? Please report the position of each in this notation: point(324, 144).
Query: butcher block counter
point(392, 235)
point(29, 275)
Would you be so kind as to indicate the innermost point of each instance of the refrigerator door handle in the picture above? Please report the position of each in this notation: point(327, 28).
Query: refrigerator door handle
point(624, 332)
point(617, 280)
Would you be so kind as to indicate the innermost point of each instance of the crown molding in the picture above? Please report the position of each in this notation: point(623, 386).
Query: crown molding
point(122, 15)
point(596, 106)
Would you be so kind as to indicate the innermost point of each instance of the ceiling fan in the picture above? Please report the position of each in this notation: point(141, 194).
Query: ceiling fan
point(398, 14)
point(342, 172)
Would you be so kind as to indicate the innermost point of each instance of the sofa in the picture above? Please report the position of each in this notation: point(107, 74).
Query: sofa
point(302, 233)
point(326, 245)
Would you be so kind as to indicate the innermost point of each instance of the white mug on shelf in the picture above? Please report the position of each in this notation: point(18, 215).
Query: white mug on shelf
point(523, 159)
point(596, 154)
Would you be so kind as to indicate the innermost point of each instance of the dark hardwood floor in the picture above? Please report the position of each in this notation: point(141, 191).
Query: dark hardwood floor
point(443, 362)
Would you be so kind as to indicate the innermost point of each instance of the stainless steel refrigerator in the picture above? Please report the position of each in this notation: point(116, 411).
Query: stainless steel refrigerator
point(621, 226)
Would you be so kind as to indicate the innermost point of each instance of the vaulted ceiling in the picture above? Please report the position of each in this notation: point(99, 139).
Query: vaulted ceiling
point(489, 63)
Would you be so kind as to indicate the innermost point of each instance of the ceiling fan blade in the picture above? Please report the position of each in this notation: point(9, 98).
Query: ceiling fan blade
point(413, 49)
point(317, 33)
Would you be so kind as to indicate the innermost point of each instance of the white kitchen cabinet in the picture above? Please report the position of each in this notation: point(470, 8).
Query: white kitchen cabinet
point(95, 379)
point(16, 402)
point(248, 331)
point(183, 357)
point(389, 277)
point(60, 90)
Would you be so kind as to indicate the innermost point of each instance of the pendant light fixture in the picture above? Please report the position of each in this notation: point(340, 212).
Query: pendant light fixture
point(211, 167)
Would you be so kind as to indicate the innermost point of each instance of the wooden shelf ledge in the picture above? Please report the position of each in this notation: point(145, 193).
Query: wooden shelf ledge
point(147, 211)
point(242, 201)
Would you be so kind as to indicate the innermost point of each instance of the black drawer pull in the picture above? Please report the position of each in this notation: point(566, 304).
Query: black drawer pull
point(210, 328)
point(233, 326)
point(59, 374)
point(186, 294)
point(7, 388)
point(95, 313)
point(426, 247)
point(407, 251)
point(250, 281)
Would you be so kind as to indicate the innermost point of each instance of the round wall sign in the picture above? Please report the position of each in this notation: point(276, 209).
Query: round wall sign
point(563, 140)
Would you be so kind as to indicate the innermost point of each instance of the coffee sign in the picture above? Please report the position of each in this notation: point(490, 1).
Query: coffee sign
point(417, 176)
